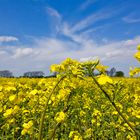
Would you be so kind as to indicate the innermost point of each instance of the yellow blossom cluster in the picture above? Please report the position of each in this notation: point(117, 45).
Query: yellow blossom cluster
point(136, 70)
point(27, 128)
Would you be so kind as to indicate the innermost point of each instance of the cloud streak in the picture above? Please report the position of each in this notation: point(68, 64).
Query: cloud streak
point(131, 18)
point(86, 4)
point(53, 12)
point(8, 38)
point(90, 20)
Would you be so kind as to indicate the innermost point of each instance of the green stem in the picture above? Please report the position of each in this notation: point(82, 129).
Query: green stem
point(114, 105)
point(45, 108)
point(59, 124)
point(53, 134)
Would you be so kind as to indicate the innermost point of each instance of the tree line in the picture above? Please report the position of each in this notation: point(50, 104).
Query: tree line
point(39, 74)
point(30, 74)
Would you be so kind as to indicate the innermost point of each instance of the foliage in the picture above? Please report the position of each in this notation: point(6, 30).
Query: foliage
point(119, 74)
point(6, 73)
point(35, 74)
point(112, 72)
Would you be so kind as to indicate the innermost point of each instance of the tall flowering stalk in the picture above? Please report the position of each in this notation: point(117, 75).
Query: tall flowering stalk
point(103, 79)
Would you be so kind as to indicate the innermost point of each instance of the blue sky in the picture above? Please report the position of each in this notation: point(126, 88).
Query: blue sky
point(37, 33)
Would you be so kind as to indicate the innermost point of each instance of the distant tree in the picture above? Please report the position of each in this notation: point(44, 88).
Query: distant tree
point(54, 74)
point(34, 74)
point(107, 72)
point(6, 73)
point(119, 74)
point(50, 76)
point(112, 72)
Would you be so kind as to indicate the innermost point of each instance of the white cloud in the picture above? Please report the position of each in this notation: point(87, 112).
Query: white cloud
point(93, 18)
point(84, 5)
point(81, 31)
point(8, 38)
point(88, 58)
point(55, 20)
point(22, 52)
point(47, 51)
point(131, 18)
point(82, 38)
point(132, 42)
point(2, 52)
point(53, 12)
point(116, 53)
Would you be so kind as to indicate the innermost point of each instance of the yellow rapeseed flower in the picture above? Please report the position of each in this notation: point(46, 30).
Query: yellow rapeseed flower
point(103, 79)
point(55, 68)
point(1, 88)
point(88, 133)
point(12, 97)
point(10, 88)
point(82, 113)
point(137, 55)
point(75, 135)
point(138, 47)
point(1, 109)
point(8, 112)
point(114, 112)
point(101, 68)
point(60, 116)
point(28, 125)
point(77, 138)
point(16, 109)
point(27, 128)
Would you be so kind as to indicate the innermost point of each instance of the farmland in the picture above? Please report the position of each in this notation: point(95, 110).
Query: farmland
point(75, 105)
point(74, 108)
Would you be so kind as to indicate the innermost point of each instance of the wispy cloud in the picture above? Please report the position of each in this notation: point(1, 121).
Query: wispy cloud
point(23, 52)
point(93, 18)
point(56, 19)
point(90, 20)
point(84, 5)
point(81, 31)
point(53, 12)
point(76, 31)
point(132, 42)
point(8, 38)
point(131, 18)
